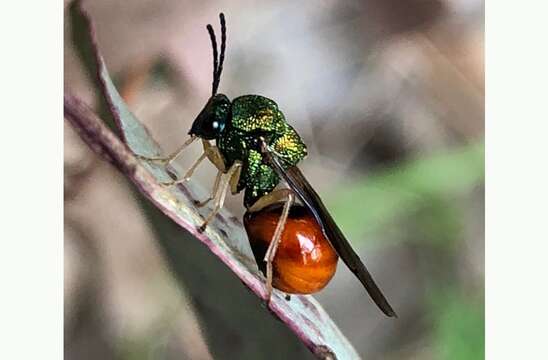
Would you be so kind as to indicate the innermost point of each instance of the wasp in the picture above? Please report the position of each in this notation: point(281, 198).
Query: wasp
point(295, 241)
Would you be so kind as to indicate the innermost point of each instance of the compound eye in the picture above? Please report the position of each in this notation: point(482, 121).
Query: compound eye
point(213, 127)
point(256, 143)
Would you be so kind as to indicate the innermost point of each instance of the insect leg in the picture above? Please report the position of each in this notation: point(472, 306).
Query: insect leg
point(270, 198)
point(172, 156)
point(264, 201)
point(273, 247)
point(213, 192)
point(214, 155)
point(234, 180)
point(234, 171)
point(189, 172)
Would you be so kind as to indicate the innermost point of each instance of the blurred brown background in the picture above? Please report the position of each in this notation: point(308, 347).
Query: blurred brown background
point(388, 96)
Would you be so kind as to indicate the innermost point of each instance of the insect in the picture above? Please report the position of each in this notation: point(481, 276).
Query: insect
point(296, 245)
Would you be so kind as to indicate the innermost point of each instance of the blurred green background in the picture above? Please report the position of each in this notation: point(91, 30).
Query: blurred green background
point(388, 96)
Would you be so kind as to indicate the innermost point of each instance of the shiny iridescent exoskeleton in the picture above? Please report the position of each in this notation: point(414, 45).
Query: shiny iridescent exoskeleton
point(255, 149)
point(236, 128)
point(254, 116)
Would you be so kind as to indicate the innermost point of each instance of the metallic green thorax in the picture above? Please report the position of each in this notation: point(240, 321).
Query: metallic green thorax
point(254, 116)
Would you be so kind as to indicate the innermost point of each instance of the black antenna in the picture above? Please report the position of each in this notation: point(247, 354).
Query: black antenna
point(215, 58)
point(217, 64)
point(223, 47)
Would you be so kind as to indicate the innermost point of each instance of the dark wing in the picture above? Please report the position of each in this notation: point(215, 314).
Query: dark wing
point(298, 183)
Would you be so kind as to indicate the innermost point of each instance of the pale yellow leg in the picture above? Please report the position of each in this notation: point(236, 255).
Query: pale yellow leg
point(234, 180)
point(225, 182)
point(270, 198)
point(214, 155)
point(170, 158)
point(264, 201)
point(213, 191)
point(188, 174)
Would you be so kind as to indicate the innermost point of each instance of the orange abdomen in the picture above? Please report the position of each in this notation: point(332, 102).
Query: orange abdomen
point(305, 260)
